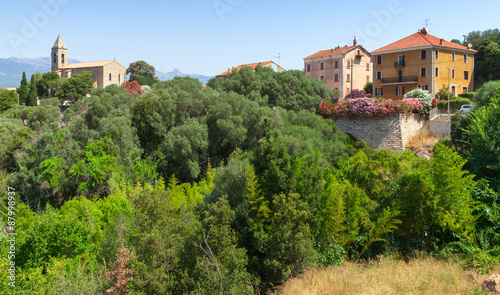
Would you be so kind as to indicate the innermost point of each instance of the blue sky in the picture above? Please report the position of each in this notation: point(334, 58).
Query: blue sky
point(209, 36)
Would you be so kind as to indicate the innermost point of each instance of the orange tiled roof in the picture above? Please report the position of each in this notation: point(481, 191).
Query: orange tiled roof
point(331, 52)
point(92, 64)
point(252, 65)
point(420, 39)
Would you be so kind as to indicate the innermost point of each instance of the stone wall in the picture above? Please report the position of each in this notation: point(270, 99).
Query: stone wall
point(440, 128)
point(392, 132)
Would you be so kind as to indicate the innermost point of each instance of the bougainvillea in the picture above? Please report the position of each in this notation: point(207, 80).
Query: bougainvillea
point(356, 93)
point(132, 87)
point(370, 107)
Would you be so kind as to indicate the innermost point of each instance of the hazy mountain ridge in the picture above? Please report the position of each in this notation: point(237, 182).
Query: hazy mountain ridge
point(11, 70)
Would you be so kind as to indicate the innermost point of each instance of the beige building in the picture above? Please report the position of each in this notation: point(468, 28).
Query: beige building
point(266, 64)
point(104, 73)
point(425, 61)
point(343, 68)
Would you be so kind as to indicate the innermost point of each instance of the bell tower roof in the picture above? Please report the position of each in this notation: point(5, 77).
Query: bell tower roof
point(59, 43)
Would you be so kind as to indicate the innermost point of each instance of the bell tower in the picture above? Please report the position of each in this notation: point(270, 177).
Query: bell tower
point(59, 54)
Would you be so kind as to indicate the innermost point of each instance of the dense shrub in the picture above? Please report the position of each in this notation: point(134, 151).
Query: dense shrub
point(455, 104)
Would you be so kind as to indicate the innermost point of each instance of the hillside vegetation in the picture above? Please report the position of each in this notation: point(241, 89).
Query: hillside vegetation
point(228, 189)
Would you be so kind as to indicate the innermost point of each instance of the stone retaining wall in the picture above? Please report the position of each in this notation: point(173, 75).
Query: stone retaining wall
point(392, 132)
point(440, 128)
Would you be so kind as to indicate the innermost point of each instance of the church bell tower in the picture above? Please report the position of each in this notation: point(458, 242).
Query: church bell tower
point(59, 54)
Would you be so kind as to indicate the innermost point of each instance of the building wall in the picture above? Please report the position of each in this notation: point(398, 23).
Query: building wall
point(118, 74)
point(445, 61)
point(361, 73)
point(412, 68)
point(360, 70)
point(440, 128)
point(391, 132)
point(101, 74)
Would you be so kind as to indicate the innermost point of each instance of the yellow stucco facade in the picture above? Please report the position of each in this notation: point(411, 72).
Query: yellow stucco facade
point(397, 70)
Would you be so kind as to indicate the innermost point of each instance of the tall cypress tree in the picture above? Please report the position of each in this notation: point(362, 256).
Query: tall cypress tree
point(32, 95)
point(23, 90)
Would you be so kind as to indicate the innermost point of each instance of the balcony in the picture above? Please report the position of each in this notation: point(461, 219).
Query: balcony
point(399, 64)
point(400, 80)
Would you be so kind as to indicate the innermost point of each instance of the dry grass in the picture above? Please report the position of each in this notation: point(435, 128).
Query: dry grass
point(423, 142)
point(386, 276)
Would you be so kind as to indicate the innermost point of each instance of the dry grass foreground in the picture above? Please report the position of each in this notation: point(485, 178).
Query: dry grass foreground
point(387, 276)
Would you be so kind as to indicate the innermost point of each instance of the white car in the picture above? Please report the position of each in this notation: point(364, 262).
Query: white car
point(465, 108)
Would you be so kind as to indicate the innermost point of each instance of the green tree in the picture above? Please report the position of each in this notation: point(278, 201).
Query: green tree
point(76, 87)
point(7, 99)
point(483, 133)
point(368, 88)
point(48, 84)
point(23, 90)
point(140, 69)
point(221, 264)
point(32, 95)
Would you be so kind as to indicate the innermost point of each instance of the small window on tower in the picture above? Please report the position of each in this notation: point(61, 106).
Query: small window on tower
point(109, 77)
point(62, 58)
point(55, 58)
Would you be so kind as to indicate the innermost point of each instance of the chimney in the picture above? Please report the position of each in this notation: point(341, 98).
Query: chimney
point(424, 31)
point(355, 42)
point(441, 42)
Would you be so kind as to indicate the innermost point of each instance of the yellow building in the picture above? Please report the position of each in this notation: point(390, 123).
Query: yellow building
point(425, 61)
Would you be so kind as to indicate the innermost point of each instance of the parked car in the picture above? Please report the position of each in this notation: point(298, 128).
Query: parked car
point(465, 108)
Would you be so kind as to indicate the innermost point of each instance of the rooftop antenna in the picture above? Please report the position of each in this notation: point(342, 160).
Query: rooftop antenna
point(279, 59)
point(426, 21)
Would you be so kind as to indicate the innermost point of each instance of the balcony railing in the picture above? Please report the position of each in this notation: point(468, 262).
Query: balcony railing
point(399, 64)
point(395, 80)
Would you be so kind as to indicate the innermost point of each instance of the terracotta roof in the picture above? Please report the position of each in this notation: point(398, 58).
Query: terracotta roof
point(252, 65)
point(420, 39)
point(92, 64)
point(59, 43)
point(330, 52)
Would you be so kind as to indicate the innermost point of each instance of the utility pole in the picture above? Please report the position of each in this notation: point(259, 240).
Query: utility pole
point(449, 89)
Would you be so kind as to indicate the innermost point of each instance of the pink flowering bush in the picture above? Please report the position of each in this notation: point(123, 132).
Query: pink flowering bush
point(370, 107)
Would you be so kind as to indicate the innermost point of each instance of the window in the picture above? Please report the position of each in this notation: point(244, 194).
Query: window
point(322, 77)
point(466, 75)
point(336, 79)
point(437, 72)
point(423, 72)
point(379, 59)
point(62, 58)
point(109, 77)
point(454, 89)
point(367, 66)
point(423, 54)
point(465, 58)
point(465, 89)
point(400, 76)
point(348, 78)
point(379, 75)
point(93, 78)
point(379, 91)
point(401, 61)
point(308, 68)
point(336, 64)
point(437, 53)
point(453, 56)
point(367, 79)
point(322, 66)
point(55, 58)
point(348, 64)
point(348, 89)
point(423, 87)
point(400, 90)
point(453, 74)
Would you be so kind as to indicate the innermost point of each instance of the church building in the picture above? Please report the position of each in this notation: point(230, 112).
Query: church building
point(104, 73)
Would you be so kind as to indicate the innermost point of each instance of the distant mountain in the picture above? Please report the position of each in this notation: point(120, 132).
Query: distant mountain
point(176, 72)
point(11, 70)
